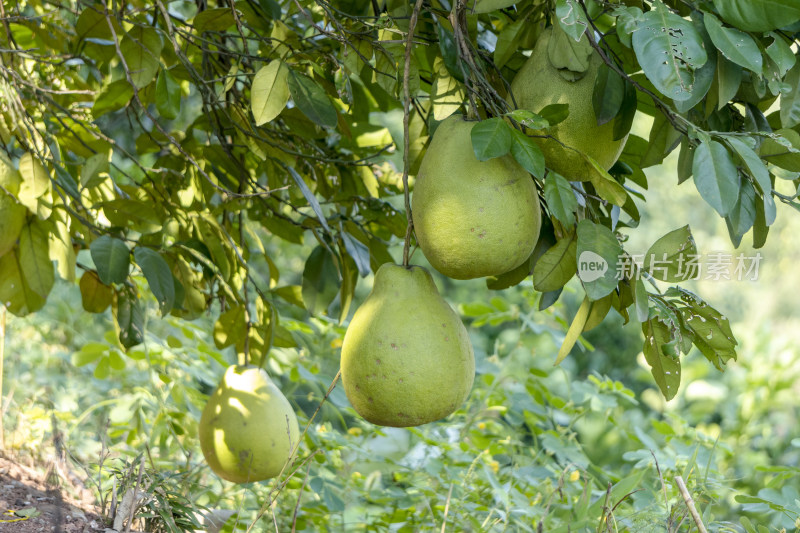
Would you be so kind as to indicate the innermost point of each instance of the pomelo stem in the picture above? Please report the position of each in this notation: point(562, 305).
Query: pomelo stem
point(406, 110)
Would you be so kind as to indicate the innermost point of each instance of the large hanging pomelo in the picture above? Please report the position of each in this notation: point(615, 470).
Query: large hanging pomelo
point(406, 357)
point(539, 84)
point(473, 218)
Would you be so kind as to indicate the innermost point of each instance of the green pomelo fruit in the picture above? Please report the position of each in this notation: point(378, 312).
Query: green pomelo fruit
point(12, 213)
point(248, 428)
point(406, 357)
point(539, 84)
point(473, 218)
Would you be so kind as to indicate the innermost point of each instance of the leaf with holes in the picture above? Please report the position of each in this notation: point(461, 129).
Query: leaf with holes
point(669, 49)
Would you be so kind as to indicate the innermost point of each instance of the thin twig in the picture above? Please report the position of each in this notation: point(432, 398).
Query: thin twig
point(447, 507)
point(663, 485)
point(690, 504)
point(406, 141)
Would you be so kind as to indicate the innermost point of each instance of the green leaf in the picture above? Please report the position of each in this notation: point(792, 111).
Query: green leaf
point(35, 181)
point(530, 119)
point(571, 57)
point(15, 293)
point(574, 331)
point(753, 163)
point(667, 258)
point(608, 95)
point(311, 99)
point(89, 353)
point(715, 176)
point(95, 296)
point(130, 213)
point(168, 95)
point(231, 327)
point(781, 54)
point(215, 19)
point(269, 92)
point(571, 18)
point(112, 97)
point(560, 199)
point(669, 49)
point(527, 153)
point(604, 183)
point(320, 281)
point(598, 253)
point(556, 266)
point(34, 258)
point(447, 94)
point(487, 6)
point(743, 215)
point(491, 138)
point(624, 119)
point(662, 140)
point(312, 200)
point(358, 251)
point(641, 301)
point(665, 369)
point(508, 41)
point(790, 101)
point(129, 315)
point(158, 275)
point(758, 15)
point(783, 149)
point(734, 44)
point(554, 113)
point(141, 48)
point(111, 258)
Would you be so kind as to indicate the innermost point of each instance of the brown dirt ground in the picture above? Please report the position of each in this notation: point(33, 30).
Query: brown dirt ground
point(63, 509)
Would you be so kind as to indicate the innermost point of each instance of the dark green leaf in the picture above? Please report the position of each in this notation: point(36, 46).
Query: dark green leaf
point(665, 369)
point(669, 49)
point(556, 266)
point(734, 44)
point(715, 176)
point(608, 95)
point(527, 153)
point(214, 19)
point(111, 258)
point(491, 138)
point(168, 95)
point(560, 199)
point(311, 99)
point(320, 281)
point(598, 253)
point(312, 200)
point(667, 258)
point(790, 101)
point(158, 275)
point(758, 15)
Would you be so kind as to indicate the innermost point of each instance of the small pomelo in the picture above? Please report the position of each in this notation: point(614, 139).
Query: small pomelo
point(248, 428)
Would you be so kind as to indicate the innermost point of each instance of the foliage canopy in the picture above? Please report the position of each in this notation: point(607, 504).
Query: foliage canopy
point(177, 140)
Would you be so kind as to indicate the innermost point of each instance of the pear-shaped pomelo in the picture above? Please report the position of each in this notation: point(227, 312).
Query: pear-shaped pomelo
point(473, 218)
point(538, 84)
point(12, 213)
point(406, 357)
point(248, 429)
